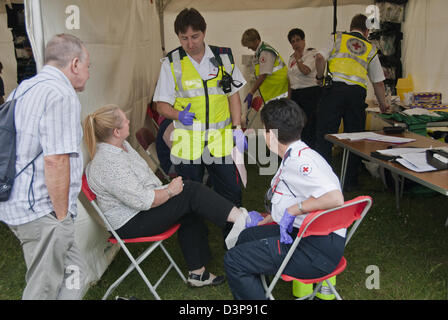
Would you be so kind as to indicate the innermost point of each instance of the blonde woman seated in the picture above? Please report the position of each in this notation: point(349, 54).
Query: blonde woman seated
point(137, 204)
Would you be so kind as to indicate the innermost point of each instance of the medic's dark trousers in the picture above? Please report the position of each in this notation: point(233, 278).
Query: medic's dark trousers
point(341, 102)
point(259, 251)
point(224, 177)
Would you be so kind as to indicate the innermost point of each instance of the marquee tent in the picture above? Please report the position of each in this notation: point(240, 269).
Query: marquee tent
point(125, 39)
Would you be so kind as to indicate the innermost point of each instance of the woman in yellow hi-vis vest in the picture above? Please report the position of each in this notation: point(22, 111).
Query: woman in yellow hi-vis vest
point(352, 62)
point(271, 72)
point(198, 89)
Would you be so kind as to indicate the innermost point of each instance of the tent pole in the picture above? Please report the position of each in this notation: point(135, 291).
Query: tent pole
point(35, 30)
point(335, 19)
point(161, 5)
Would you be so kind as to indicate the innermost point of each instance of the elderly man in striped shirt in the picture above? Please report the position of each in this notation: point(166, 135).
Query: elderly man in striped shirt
point(42, 205)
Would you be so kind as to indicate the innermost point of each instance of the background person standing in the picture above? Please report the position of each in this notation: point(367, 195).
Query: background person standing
point(302, 82)
point(43, 201)
point(270, 69)
point(352, 62)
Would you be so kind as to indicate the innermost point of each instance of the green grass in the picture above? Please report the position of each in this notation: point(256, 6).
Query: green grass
point(409, 247)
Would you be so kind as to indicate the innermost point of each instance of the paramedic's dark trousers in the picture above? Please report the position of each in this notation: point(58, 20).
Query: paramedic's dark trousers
point(259, 251)
point(224, 177)
point(341, 102)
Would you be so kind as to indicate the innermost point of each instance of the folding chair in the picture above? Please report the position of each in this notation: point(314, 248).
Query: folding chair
point(147, 141)
point(153, 115)
point(256, 105)
point(324, 222)
point(135, 262)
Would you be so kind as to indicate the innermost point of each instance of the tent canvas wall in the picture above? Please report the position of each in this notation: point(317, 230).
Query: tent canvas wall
point(123, 39)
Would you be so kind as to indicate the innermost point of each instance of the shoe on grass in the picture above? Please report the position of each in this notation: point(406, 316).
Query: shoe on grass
point(204, 279)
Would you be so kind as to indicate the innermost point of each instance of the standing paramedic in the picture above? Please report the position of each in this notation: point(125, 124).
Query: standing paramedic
point(198, 88)
point(270, 70)
point(352, 61)
point(43, 201)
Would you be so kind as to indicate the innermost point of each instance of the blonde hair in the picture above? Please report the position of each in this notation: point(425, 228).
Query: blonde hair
point(250, 36)
point(99, 126)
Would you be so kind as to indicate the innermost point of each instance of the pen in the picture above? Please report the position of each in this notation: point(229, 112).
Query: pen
point(183, 107)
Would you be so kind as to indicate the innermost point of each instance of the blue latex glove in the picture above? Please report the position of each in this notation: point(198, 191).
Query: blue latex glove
point(240, 140)
point(186, 117)
point(255, 217)
point(248, 99)
point(286, 227)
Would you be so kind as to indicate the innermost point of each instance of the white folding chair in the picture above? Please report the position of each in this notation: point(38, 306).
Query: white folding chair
point(135, 262)
point(324, 222)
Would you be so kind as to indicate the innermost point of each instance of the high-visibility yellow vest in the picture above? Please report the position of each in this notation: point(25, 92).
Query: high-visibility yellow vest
point(350, 58)
point(212, 124)
point(275, 86)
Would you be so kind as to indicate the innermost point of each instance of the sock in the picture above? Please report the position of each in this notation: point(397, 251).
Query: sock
point(238, 226)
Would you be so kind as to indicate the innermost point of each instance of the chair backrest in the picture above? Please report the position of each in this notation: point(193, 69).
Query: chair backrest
point(145, 137)
point(323, 222)
point(257, 102)
point(86, 189)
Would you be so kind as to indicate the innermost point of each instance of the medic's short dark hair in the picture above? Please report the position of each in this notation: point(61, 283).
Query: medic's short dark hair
point(296, 32)
point(286, 117)
point(189, 18)
point(359, 23)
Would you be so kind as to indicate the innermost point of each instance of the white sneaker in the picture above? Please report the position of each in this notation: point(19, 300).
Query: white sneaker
point(238, 226)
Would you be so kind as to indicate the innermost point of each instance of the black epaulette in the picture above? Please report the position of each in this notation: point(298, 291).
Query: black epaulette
point(222, 50)
point(182, 53)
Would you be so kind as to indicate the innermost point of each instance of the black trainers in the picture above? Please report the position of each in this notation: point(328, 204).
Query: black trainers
point(204, 279)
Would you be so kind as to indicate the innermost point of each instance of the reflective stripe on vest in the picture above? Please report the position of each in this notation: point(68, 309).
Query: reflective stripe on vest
point(212, 125)
point(350, 59)
point(275, 85)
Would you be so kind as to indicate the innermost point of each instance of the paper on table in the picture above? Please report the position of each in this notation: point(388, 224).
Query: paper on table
point(395, 152)
point(355, 136)
point(416, 162)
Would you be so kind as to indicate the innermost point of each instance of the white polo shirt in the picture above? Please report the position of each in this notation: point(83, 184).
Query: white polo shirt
point(303, 173)
point(374, 71)
point(166, 91)
point(266, 60)
point(298, 80)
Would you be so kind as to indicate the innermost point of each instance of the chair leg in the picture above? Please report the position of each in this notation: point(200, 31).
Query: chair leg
point(135, 265)
point(266, 288)
point(316, 289)
point(174, 264)
point(332, 288)
point(125, 274)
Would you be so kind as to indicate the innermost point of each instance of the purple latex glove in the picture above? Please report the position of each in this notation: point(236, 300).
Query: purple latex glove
point(248, 99)
point(286, 227)
point(186, 117)
point(255, 217)
point(240, 140)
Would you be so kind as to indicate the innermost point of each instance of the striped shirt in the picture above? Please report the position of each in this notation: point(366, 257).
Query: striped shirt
point(48, 119)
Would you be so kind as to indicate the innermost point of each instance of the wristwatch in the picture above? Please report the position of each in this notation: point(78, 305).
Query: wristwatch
point(319, 78)
point(300, 208)
point(236, 127)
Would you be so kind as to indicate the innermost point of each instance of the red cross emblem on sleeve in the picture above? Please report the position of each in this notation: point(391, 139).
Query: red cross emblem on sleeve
point(305, 169)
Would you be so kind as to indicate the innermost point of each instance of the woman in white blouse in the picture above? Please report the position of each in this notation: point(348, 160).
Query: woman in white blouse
point(136, 203)
point(303, 88)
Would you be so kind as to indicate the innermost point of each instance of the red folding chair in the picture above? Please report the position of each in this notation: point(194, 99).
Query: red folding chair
point(256, 105)
point(135, 262)
point(153, 115)
point(324, 222)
